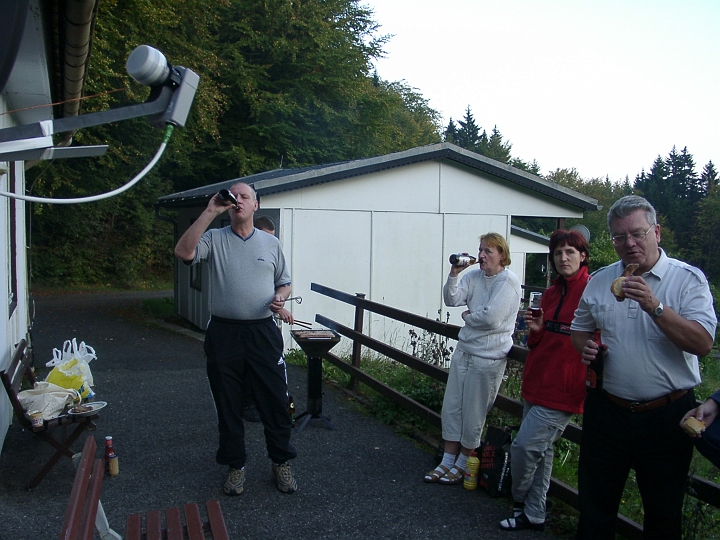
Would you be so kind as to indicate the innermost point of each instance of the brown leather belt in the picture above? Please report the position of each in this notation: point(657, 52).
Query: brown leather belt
point(644, 406)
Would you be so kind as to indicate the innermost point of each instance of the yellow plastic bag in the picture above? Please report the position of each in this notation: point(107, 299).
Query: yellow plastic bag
point(70, 376)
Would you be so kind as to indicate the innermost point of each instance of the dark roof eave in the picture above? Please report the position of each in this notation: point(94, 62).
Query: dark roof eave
point(530, 235)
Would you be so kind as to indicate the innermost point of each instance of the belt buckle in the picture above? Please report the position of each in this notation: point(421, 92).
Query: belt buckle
point(635, 404)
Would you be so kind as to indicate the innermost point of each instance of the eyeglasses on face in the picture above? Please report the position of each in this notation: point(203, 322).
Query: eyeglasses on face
point(638, 236)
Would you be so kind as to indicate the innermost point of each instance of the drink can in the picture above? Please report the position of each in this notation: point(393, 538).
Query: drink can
point(36, 419)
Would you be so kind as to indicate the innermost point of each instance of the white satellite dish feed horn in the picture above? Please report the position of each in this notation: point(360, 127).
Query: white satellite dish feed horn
point(148, 66)
point(582, 229)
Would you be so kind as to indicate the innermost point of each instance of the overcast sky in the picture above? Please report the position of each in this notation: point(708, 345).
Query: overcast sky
point(601, 86)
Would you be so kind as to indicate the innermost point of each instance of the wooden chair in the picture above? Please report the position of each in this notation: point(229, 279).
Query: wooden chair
point(12, 379)
point(81, 514)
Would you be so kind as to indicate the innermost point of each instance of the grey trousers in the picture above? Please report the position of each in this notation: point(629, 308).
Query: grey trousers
point(531, 456)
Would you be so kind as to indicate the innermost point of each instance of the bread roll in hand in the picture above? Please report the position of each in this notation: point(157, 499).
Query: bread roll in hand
point(693, 426)
point(616, 287)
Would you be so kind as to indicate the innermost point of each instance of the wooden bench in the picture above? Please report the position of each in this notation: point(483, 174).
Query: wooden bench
point(12, 379)
point(82, 510)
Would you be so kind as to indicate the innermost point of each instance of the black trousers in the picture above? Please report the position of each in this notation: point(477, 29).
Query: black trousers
point(614, 440)
point(249, 353)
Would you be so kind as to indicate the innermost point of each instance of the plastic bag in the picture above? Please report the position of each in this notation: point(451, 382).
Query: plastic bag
point(494, 454)
point(50, 399)
point(71, 369)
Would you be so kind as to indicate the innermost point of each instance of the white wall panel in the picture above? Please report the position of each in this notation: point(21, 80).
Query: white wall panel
point(466, 190)
point(332, 249)
point(407, 269)
point(413, 188)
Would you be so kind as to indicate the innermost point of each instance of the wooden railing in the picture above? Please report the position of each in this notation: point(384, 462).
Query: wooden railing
point(702, 489)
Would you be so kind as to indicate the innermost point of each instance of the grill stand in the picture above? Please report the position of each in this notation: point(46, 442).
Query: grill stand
point(314, 348)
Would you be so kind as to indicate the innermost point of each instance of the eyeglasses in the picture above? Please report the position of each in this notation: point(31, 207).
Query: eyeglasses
point(638, 236)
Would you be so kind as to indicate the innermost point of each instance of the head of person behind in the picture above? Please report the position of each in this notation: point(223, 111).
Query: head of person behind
point(635, 233)
point(494, 253)
point(264, 223)
point(569, 251)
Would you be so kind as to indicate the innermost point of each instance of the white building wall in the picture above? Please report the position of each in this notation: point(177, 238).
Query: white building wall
point(14, 317)
point(380, 238)
point(412, 188)
point(463, 191)
point(331, 248)
point(388, 235)
point(6, 330)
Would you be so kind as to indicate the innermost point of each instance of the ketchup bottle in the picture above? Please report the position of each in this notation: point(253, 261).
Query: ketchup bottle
point(109, 450)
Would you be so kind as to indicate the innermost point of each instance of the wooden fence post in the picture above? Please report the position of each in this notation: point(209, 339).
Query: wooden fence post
point(357, 347)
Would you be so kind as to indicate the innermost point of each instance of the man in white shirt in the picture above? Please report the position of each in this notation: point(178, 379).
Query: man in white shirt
point(651, 340)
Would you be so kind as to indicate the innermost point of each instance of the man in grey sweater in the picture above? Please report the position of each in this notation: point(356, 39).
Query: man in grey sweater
point(249, 282)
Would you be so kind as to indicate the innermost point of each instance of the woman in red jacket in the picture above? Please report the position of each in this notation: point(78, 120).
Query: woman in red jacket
point(553, 387)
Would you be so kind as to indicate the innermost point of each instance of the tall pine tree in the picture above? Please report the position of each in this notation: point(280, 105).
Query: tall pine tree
point(469, 135)
point(709, 178)
point(496, 148)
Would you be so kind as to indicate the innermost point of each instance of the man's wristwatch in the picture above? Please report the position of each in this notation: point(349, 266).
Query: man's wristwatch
point(657, 311)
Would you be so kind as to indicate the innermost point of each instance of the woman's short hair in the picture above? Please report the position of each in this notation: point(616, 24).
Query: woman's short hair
point(497, 241)
point(574, 239)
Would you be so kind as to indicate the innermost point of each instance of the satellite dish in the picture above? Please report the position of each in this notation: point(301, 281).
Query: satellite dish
point(582, 229)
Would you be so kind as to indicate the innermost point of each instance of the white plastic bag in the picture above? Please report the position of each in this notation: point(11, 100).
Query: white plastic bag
point(71, 369)
point(50, 399)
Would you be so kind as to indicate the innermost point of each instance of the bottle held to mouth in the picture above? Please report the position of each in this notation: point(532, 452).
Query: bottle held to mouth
point(462, 259)
point(228, 197)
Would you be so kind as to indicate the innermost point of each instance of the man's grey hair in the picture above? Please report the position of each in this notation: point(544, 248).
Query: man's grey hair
point(628, 204)
point(252, 188)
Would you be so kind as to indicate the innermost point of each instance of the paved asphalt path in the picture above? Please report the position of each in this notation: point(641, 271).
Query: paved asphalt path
point(360, 481)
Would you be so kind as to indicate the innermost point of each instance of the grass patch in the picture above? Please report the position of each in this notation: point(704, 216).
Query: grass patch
point(160, 308)
point(40, 288)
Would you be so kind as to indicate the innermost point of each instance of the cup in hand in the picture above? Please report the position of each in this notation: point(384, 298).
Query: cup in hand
point(534, 305)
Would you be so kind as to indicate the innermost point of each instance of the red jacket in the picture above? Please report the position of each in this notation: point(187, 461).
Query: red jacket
point(554, 376)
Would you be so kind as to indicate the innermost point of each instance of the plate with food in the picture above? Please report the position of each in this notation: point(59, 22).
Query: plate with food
point(86, 409)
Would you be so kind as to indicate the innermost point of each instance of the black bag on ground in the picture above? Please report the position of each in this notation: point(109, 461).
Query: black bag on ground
point(494, 454)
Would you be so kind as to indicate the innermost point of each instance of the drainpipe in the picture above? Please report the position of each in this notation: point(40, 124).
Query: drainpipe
point(73, 28)
point(79, 24)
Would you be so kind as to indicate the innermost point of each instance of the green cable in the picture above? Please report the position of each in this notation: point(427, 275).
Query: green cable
point(168, 133)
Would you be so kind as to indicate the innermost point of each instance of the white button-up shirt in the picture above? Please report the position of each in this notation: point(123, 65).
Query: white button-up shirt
point(641, 363)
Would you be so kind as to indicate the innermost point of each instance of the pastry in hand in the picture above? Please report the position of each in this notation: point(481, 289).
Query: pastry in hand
point(693, 426)
point(616, 287)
